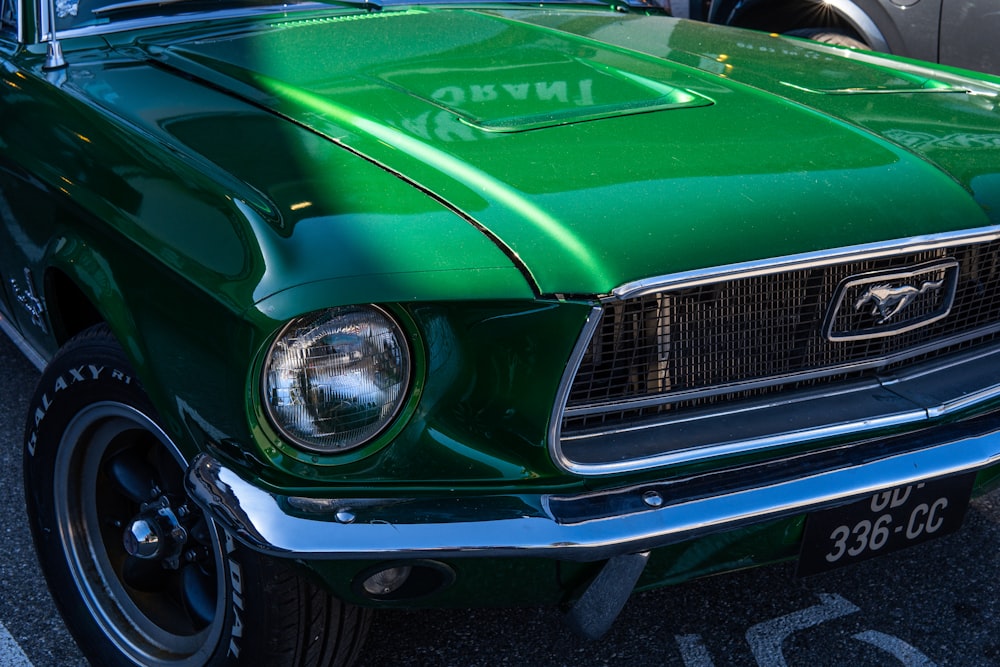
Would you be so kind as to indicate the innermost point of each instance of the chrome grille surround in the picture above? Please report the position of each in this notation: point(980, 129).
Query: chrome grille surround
point(753, 356)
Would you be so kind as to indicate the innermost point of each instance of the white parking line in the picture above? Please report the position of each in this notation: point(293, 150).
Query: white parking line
point(11, 654)
point(693, 651)
point(765, 638)
point(906, 654)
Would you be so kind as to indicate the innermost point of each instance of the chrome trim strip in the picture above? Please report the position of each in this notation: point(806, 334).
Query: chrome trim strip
point(43, 24)
point(964, 402)
point(21, 343)
point(707, 452)
point(22, 29)
point(710, 452)
point(940, 365)
point(486, 527)
point(803, 261)
point(726, 412)
point(756, 268)
point(572, 366)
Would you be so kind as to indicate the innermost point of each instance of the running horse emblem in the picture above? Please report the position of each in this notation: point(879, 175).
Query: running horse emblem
point(887, 300)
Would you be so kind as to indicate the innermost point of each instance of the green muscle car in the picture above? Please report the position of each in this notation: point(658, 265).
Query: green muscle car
point(343, 306)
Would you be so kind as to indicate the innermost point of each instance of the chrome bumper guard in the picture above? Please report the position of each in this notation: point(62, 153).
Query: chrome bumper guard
point(585, 527)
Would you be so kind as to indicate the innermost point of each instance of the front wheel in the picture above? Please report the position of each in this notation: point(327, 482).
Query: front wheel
point(831, 36)
point(139, 573)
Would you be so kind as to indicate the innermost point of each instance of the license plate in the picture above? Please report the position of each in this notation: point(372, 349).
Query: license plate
point(887, 521)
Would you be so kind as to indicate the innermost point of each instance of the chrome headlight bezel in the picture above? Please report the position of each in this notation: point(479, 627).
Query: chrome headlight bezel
point(378, 374)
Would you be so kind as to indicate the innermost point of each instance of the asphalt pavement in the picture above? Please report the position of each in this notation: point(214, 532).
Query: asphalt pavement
point(27, 612)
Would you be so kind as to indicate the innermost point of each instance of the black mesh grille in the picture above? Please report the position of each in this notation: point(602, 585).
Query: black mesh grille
point(776, 329)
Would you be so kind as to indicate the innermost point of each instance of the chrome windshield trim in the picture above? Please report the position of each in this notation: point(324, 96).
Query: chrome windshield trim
point(486, 527)
point(802, 261)
point(42, 27)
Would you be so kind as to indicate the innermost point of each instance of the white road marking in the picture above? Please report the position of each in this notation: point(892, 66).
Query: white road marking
point(693, 651)
point(11, 654)
point(765, 638)
point(906, 654)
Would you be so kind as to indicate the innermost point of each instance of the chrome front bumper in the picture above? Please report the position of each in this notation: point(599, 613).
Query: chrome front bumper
point(584, 527)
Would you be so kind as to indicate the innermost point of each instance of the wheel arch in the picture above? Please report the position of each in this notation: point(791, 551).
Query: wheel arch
point(784, 15)
point(71, 310)
point(80, 290)
point(173, 343)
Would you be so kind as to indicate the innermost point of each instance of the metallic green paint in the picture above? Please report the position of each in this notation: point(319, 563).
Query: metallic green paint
point(451, 169)
point(752, 136)
point(486, 172)
point(486, 383)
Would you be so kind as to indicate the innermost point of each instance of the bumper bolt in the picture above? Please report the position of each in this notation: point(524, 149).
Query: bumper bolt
point(652, 498)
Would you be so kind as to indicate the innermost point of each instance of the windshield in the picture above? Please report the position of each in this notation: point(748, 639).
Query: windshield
point(8, 15)
point(77, 14)
point(74, 14)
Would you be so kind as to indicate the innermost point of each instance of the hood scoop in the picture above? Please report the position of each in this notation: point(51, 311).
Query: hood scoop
point(488, 72)
point(545, 89)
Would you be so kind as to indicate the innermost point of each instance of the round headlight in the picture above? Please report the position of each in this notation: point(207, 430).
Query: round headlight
point(335, 379)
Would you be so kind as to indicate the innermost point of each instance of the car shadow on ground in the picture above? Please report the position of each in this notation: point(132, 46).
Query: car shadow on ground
point(933, 604)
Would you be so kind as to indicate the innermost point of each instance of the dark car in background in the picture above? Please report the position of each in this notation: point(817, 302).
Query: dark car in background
point(962, 33)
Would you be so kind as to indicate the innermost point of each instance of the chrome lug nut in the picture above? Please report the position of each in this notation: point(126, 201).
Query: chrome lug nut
point(141, 540)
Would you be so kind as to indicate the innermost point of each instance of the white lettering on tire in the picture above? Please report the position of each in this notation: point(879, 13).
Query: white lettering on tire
point(73, 376)
point(236, 580)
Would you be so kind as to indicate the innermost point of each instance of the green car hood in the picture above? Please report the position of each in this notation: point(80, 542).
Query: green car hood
point(597, 148)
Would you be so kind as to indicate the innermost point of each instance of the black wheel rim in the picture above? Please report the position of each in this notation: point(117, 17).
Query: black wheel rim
point(116, 469)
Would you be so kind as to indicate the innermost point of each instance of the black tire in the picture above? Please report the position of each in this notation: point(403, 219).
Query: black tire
point(97, 466)
point(830, 36)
